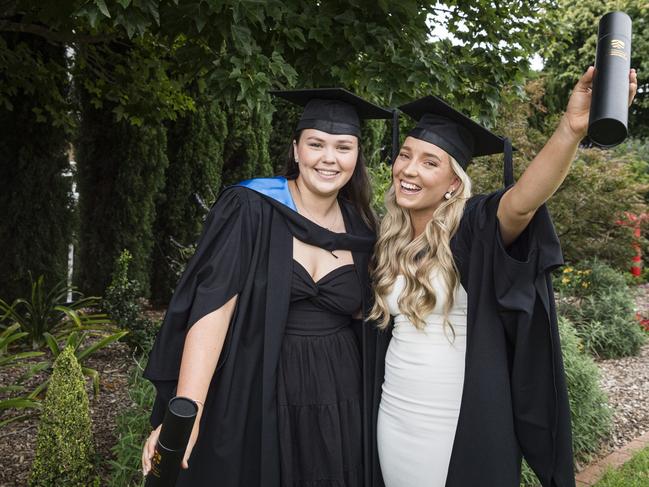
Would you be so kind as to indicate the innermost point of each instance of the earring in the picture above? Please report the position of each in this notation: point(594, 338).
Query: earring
point(448, 195)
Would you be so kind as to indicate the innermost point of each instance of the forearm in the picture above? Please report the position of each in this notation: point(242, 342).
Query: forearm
point(201, 352)
point(546, 172)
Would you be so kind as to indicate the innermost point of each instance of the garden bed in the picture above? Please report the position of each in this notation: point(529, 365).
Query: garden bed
point(18, 440)
point(626, 381)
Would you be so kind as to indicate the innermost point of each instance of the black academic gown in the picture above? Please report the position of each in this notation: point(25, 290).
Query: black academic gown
point(246, 249)
point(514, 398)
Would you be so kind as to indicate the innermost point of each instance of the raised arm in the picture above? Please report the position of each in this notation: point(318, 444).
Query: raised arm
point(551, 165)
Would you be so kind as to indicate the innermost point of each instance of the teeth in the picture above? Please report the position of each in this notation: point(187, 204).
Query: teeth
point(327, 173)
point(412, 187)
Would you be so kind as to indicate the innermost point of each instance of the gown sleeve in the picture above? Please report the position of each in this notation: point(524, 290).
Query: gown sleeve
point(212, 277)
point(524, 300)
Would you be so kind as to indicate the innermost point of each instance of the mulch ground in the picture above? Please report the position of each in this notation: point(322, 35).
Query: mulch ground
point(626, 381)
point(18, 440)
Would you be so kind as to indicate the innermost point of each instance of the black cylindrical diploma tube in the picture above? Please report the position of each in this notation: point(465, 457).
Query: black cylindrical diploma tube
point(172, 442)
point(609, 109)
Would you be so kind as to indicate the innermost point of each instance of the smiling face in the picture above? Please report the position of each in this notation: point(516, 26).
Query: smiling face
point(421, 175)
point(326, 161)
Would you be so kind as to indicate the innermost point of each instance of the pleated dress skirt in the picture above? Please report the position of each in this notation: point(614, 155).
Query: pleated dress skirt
point(319, 383)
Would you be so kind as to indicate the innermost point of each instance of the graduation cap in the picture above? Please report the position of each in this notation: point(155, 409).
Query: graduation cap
point(442, 125)
point(335, 110)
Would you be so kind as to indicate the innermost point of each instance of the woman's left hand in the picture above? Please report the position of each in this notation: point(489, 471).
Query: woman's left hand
point(578, 108)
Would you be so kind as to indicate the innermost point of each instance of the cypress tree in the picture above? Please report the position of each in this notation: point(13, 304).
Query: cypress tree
point(37, 212)
point(121, 170)
point(195, 150)
point(246, 153)
point(64, 446)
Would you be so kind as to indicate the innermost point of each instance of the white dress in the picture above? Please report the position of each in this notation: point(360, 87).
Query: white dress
point(421, 395)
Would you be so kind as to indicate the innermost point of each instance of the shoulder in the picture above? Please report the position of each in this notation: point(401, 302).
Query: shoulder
point(275, 188)
point(480, 207)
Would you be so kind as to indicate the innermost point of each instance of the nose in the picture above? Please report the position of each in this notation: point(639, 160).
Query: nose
point(410, 169)
point(329, 154)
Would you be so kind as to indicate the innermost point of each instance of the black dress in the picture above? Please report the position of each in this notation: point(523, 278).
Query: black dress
point(246, 249)
point(319, 382)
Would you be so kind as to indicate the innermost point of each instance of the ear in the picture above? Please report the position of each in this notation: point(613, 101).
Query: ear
point(295, 150)
point(455, 182)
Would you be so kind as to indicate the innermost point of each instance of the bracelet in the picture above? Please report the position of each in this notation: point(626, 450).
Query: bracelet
point(202, 404)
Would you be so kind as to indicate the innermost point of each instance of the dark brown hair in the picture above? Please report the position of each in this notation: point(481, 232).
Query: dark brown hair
point(357, 191)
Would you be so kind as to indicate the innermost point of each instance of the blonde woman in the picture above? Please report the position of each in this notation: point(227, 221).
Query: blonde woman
point(472, 377)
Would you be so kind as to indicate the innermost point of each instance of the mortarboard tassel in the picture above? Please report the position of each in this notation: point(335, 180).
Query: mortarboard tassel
point(508, 172)
point(395, 134)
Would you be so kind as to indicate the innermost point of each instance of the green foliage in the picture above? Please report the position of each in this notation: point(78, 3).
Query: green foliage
point(195, 146)
point(381, 179)
point(121, 303)
point(576, 26)
point(64, 451)
point(591, 415)
point(634, 473)
point(589, 277)
point(246, 48)
point(74, 341)
point(604, 317)
point(599, 188)
point(606, 323)
point(246, 153)
point(10, 358)
point(121, 171)
point(37, 216)
point(133, 427)
point(49, 312)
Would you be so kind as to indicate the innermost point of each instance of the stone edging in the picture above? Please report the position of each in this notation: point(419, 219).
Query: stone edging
point(593, 473)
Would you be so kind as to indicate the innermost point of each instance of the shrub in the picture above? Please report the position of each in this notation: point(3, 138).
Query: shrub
point(121, 303)
point(603, 311)
point(9, 358)
point(133, 427)
point(591, 416)
point(64, 450)
point(75, 340)
point(381, 178)
point(49, 312)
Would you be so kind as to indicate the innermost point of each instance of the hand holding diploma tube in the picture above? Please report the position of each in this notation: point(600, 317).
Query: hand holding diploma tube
point(171, 442)
point(609, 112)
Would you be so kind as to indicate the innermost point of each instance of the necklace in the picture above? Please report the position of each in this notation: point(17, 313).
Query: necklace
point(311, 217)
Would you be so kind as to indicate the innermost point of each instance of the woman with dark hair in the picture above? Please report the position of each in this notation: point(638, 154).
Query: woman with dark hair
point(259, 330)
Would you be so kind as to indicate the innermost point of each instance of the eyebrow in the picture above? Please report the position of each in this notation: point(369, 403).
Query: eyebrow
point(425, 154)
point(338, 141)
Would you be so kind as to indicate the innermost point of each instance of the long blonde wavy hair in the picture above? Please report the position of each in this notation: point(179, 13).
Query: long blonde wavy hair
point(397, 253)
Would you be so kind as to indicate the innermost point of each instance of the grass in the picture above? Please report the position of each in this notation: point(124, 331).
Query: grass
point(634, 473)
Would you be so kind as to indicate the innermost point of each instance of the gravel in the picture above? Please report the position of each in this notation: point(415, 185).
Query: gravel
point(626, 382)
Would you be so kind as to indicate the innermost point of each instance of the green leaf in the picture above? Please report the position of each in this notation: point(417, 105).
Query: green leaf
point(100, 344)
point(124, 3)
point(52, 344)
point(102, 7)
point(242, 39)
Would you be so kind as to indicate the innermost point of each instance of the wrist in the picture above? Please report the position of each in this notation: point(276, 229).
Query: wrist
point(566, 131)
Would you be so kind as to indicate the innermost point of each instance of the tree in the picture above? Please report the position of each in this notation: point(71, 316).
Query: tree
point(575, 48)
point(37, 216)
point(121, 170)
point(195, 149)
